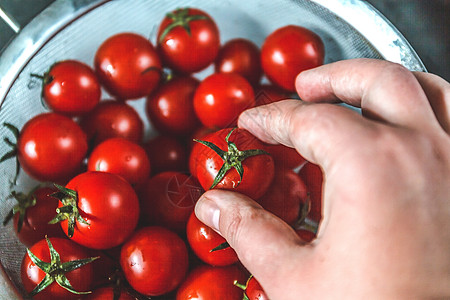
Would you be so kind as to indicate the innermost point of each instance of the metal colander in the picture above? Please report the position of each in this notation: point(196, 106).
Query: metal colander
point(74, 29)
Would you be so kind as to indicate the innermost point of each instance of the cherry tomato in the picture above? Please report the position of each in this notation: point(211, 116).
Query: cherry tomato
point(80, 278)
point(253, 290)
point(70, 87)
point(51, 147)
point(33, 212)
point(111, 119)
point(208, 282)
point(257, 169)
point(285, 196)
point(188, 40)
point(267, 93)
point(122, 157)
point(220, 99)
point(198, 151)
point(154, 261)
point(107, 293)
point(240, 56)
point(166, 153)
point(285, 157)
point(313, 178)
point(171, 108)
point(168, 199)
point(203, 239)
point(128, 66)
point(105, 207)
point(288, 51)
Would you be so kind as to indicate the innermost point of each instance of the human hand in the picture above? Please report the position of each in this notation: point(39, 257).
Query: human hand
point(386, 227)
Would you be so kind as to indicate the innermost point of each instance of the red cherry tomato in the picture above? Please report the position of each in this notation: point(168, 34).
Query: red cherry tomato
point(51, 147)
point(166, 154)
point(240, 56)
point(128, 66)
point(122, 157)
point(254, 291)
point(198, 151)
point(168, 199)
point(285, 196)
point(203, 239)
point(108, 206)
point(38, 208)
point(171, 108)
point(80, 279)
point(258, 170)
point(220, 99)
point(288, 51)
point(208, 282)
point(111, 119)
point(154, 261)
point(70, 87)
point(188, 40)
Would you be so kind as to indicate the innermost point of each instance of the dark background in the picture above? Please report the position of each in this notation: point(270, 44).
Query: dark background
point(424, 23)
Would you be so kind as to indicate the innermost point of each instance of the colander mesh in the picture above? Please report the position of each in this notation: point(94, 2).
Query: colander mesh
point(250, 19)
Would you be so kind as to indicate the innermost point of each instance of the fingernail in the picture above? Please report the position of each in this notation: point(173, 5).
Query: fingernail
point(208, 212)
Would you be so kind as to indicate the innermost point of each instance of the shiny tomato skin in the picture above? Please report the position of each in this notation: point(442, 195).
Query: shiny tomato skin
point(254, 290)
point(35, 226)
point(154, 260)
point(203, 239)
point(122, 157)
point(51, 147)
point(221, 98)
point(166, 153)
point(258, 170)
point(71, 88)
point(207, 282)
point(285, 196)
point(128, 66)
point(171, 109)
point(107, 293)
point(198, 151)
point(168, 199)
point(288, 51)
point(240, 56)
point(80, 279)
point(110, 206)
point(312, 175)
point(111, 119)
point(188, 53)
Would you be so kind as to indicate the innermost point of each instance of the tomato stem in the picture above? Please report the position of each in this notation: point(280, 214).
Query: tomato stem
point(180, 17)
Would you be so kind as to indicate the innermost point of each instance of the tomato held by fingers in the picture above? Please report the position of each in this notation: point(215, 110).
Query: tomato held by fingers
point(128, 66)
point(208, 282)
point(154, 261)
point(221, 98)
point(122, 157)
point(233, 159)
point(168, 199)
point(240, 56)
point(203, 239)
point(286, 196)
point(188, 40)
point(32, 215)
point(288, 51)
point(51, 147)
point(313, 178)
point(171, 108)
point(110, 119)
point(70, 87)
point(98, 210)
point(57, 268)
point(252, 290)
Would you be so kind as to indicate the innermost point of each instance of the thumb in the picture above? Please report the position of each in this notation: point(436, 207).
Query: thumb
point(265, 245)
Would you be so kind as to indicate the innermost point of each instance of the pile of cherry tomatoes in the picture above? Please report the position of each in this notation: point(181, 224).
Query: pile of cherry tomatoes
point(117, 218)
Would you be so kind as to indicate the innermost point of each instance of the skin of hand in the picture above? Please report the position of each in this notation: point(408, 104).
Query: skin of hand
point(386, 195)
